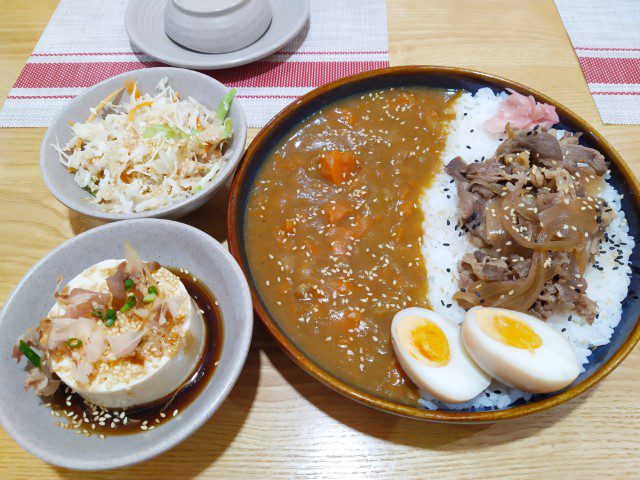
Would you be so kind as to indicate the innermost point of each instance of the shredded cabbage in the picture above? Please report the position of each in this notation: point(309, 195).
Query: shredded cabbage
point(135, 157)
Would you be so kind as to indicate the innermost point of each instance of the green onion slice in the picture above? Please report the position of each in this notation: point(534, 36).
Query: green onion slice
point(169, 132)
point(225, 104)
point(131, 301)
point(32, 356)
point(128, 284)
point(73, 343)
point(153, 289)
point(226, 132)
point(110, 317)
point(149, 297)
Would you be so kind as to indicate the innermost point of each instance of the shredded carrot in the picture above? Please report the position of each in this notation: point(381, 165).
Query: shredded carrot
point(132, 88)
point(199, 124)
point(101, 105)
point(133, 110)
point(206, 148)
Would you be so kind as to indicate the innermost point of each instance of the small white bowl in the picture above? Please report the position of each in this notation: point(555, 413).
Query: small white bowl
point(216, 26)
point(174, 244)
point(201, 87)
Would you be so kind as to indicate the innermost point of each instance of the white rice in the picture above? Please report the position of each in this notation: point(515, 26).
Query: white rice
point(444, 244)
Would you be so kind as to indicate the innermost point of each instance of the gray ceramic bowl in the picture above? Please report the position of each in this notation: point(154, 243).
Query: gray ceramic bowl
point(29, 422)
point(216, 26)
point(201, 87)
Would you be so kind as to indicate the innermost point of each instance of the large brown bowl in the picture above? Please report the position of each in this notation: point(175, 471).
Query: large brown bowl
point(603, 359)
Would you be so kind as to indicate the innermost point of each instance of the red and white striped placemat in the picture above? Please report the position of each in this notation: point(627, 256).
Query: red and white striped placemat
point(85, 42)
point(606, 38)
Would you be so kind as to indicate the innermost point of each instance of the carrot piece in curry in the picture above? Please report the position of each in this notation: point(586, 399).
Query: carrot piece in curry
point(337, 166)
point(336, 211)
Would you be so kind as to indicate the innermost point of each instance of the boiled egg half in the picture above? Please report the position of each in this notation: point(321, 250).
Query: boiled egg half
point(430, 350)
point(519, 350)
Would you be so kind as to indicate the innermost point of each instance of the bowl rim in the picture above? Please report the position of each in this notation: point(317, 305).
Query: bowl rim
point(240, 135)
point(235, 211)
point(166, 442)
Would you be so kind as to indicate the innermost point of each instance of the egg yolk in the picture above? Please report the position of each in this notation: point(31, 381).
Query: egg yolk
point(510, 331)
point(431, 342)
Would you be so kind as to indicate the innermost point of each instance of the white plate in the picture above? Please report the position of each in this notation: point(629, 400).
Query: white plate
point(144, 21)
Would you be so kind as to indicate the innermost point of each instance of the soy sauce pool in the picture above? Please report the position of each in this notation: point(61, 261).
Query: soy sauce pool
point(73, 413)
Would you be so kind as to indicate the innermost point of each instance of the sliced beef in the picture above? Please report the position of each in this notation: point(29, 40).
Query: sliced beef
point(574, 154)
point(490, 171)
point(547, 199)
point(457, 168)
point(542, 146)
point(519, 265)
point(469, 203)
point(586, 308)
point(482, 190)
point(485, 267)
point(570, 139)
point(544, 172)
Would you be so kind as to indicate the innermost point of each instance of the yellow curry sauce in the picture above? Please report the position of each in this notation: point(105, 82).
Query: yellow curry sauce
point(334, 227)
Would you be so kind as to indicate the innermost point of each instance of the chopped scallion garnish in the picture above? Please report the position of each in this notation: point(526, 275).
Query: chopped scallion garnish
point(32, 356)
point(110, 317)
point(128, 284)
point(149, 297)
point(225, 104)
point(169, 132)
point(153, 289)
point(226, 132)
point(131, 301)
point(73, 343)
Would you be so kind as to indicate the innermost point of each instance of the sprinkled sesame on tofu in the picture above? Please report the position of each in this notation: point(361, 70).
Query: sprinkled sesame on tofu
point(138, 375)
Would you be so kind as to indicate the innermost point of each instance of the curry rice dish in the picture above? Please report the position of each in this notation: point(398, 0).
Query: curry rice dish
point(353, 219)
